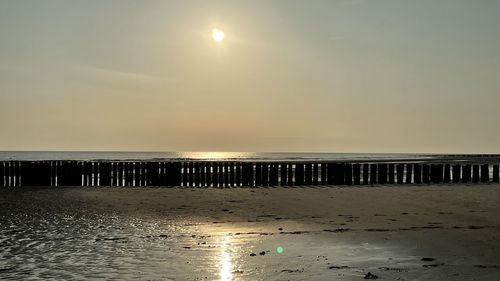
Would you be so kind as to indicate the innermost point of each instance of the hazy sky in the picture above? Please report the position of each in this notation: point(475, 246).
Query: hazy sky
point(333, 76)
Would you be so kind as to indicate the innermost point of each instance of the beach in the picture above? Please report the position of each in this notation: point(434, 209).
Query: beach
point(397, 232)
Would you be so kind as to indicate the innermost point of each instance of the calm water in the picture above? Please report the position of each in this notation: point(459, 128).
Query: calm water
point(50, 155)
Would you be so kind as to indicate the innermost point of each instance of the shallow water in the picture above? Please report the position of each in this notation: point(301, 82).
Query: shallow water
point(107, 246)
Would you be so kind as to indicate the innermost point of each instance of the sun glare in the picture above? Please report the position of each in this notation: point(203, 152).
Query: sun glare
point(218, 35)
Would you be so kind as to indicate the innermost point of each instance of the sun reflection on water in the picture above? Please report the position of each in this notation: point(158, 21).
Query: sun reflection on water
point(216, 155)
point(225, 260)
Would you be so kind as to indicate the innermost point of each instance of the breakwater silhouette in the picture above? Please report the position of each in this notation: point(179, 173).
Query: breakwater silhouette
point(242, 173)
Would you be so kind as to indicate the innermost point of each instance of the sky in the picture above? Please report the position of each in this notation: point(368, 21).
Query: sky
point(294, 76)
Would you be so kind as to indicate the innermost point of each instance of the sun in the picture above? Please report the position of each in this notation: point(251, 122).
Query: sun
point(218, 35)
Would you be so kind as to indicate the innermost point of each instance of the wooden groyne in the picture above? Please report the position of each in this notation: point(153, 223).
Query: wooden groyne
point(239, 174)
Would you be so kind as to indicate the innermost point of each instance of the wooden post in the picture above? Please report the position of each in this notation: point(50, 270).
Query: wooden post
point(237, 180)
point(366, 173)
point(185, 175)
point(233, 173)
point(245, 174)
point(202, 178)
point(87, 173)
point(215, 173)
point(418, 173)
point(94, 174)
point(208, 173)
point(226, 174)
point(356, 170)
point(53, 173)
point(274, 174)
point(330, 173)
point(409, 174)
point(290, 175)
point(221, 174)
point(196, 174)
point(400, 173)
point(382, 173)
point(432, 173)
point(466, 173)
point(456, 171)
point(16, 175)
point(124, 166)
point(258, 174)
point(130, 174)
point(447, 173)
point(299, 174)
point(2, 174)
point(246, 169)
point(10, 173)
point(308, 174)
point(485, 173)
point(334, 173)
point(135, 174)
point(373, 174)
point(348, 174)
point(496, 173)
point(177, 171)
point(114, 178)
point(440, 173)
point(113, 173)
point(163, 174)
point(324, 180)
point(192, 174)
point(391, 174)
point(426, 173)
point(315, 176)
point(265, 174)
point(475, 173)
point(232, 177)
point(165, 171)
point(230, 174)
point(121, 174)
point(252, 171)
point(283, 173)
point(28, 173)
point(7, 173)
point(143, 174)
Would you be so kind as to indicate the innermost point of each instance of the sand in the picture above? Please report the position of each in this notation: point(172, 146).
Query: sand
point(442, 232)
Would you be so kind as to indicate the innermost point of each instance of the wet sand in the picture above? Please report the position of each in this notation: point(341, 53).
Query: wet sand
point(327, 233)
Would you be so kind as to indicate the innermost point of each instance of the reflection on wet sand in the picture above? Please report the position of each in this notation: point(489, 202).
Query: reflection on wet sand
point(225, 262)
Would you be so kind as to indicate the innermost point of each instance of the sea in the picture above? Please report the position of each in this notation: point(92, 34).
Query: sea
point(217, 156)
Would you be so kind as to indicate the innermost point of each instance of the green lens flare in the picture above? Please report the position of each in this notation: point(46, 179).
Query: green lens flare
point(279, 249)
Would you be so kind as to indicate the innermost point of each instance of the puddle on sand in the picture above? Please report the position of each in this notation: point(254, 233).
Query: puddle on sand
point(117, 248)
